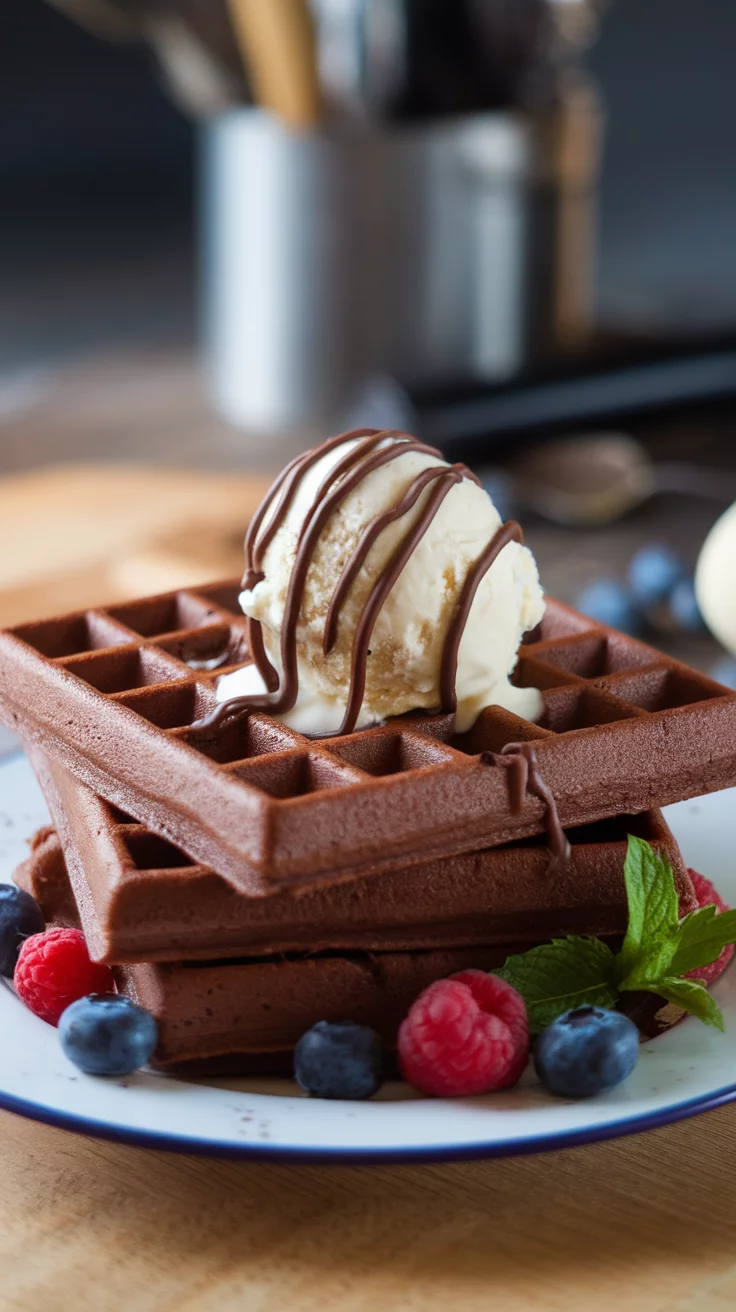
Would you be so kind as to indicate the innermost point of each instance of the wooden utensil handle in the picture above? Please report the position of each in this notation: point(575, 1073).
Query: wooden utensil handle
point(277, 43)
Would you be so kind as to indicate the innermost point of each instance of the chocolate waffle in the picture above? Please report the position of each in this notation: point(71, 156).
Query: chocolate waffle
point(141, 900)
point(113, 695)
point(248, 1013)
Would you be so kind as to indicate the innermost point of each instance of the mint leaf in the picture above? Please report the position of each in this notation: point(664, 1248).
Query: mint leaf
point(569, 972)
point(649, 946)
point(657, 950)
point(692, 997)
point(701, 938)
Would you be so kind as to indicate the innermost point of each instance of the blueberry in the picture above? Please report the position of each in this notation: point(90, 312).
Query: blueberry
point(20, 916)
point(588, 1050)
point(724, 671)
point(498, 486)
point(609, 602)
point(107, 1034)
point(653, 573)
point(340, 1060)
point(684, 607)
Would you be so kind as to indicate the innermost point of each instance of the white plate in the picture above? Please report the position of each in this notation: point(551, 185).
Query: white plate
point(688, 1070)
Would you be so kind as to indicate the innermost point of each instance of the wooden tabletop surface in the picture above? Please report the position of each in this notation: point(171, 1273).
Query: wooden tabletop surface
point(647, 1223)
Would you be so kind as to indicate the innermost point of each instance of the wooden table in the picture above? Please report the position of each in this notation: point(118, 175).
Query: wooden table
point(647, 1223)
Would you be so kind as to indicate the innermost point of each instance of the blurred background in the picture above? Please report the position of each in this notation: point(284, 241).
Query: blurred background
point(231, 227)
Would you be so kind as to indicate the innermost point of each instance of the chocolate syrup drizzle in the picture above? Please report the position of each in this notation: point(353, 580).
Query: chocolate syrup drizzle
point(373, 449)
point(525, 776)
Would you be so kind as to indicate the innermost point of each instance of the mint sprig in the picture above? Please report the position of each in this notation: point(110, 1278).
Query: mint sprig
point(657, 951)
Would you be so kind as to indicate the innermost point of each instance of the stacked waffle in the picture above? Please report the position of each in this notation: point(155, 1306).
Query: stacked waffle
point(246, 881)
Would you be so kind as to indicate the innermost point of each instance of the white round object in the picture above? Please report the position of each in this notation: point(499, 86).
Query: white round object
point(715, 579)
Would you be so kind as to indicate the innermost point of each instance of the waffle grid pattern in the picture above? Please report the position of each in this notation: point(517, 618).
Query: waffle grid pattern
point(141, 899)
point(286, 808)
point(584, 901)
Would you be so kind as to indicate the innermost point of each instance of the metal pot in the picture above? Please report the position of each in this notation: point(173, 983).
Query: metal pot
point(433, 251)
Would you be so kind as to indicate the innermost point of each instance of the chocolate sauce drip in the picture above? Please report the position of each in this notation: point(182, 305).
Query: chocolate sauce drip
point(525, 774)
point(508, 532)
point(287, 483)
point(368, 454)
point(313, 526)
point(280, 496)
point(379, 593)
point(368, 537)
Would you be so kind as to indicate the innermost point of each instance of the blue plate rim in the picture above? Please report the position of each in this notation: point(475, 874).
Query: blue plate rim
point(154, 1140)
point(478, 1150)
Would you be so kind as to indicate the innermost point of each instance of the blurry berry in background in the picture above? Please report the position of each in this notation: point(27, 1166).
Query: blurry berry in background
point(724, 671)
point(684, 607)
point(609, 602)
point(653, 573)
point(498, 486)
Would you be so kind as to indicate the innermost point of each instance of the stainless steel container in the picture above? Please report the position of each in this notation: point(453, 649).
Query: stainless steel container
point(433, 251)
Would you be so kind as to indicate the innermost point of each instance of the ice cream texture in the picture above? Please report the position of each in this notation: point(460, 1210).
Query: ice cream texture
point(386, 502)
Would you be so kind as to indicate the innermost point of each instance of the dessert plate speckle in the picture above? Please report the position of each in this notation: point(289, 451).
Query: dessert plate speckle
point(688, 1070)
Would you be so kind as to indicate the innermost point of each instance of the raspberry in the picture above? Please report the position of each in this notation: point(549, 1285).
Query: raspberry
point(54, 970)
point(464, 1035)
point(706, 895)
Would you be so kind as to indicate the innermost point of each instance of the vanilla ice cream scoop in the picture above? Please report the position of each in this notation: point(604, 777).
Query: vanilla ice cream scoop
point(381, 580)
